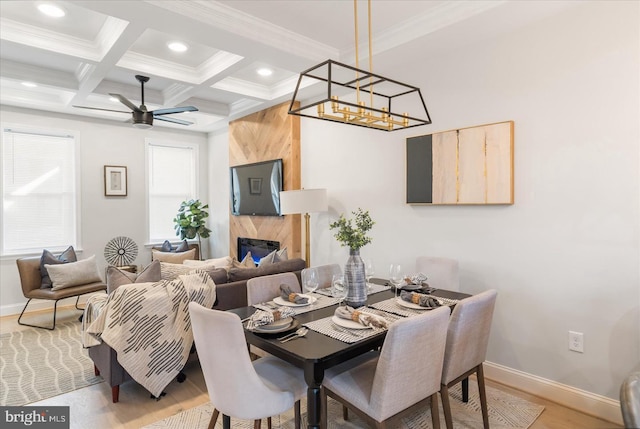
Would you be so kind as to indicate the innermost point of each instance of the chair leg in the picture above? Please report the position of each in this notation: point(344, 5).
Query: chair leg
point(226, 422)
point(257, 423)
point(55, 308)
point(268, 423)
point(435, 415)
point(214, 419)
point(297, 414)
point(483, 397)
point(465, 390)
point(345, 413)
point(96, 371)
point(115, 393)
point(446, 406)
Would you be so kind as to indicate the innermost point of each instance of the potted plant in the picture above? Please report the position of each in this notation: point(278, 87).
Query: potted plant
point(190, 222)
point(353, 233)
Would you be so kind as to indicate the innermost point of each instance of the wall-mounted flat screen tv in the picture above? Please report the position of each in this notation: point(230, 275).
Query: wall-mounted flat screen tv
point(255, 188)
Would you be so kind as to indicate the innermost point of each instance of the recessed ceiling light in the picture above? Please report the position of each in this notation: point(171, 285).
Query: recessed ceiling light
point(177, 46)
point(51, 10)
point(265, 72)
point(29, 84)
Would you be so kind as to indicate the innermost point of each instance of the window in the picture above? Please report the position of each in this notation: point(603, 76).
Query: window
point(39, 192)
point(173, 173)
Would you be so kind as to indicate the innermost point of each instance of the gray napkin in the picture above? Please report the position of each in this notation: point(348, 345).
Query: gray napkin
point(261, 317)
point(365, 319)
point(420, 299)
point(288, 295)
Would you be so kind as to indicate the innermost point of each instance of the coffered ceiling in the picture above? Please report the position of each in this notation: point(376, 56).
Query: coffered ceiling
point(98, 47)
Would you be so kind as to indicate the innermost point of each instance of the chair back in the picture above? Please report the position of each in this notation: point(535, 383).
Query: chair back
point(325, 274)
point(442, 273)
point(630, 400)
point(234, 387)
point(410, 362)
point(30, 277)
point(468, 334)
point(265, 288)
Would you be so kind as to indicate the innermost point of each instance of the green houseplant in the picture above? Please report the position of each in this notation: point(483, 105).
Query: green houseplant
point(190, 222)
point(353, 233)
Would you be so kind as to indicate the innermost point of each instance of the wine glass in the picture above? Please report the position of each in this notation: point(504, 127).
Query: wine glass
point(338, 288)
point(369, 270)
point(310, 279)
point(395, 276)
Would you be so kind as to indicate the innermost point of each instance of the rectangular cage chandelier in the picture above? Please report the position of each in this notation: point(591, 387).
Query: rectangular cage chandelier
point(359, 97)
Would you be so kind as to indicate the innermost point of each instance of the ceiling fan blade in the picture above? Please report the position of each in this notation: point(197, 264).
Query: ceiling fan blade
point(126, 102)
point(175, 121)
point(97, 108)
point(171, 110)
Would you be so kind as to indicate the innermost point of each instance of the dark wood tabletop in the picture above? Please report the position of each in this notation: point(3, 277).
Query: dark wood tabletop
point(316, 352)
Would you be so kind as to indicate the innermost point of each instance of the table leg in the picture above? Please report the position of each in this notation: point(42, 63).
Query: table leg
point(313, 375)
point(465, 390)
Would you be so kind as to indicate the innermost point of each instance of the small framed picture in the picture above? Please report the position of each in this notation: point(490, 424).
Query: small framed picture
point(255, 186)
point(115, 181)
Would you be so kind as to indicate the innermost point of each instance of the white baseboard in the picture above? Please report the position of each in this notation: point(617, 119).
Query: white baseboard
point(581, 400)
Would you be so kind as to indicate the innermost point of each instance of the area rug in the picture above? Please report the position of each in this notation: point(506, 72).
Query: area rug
point(505, 412)
point(36, 364)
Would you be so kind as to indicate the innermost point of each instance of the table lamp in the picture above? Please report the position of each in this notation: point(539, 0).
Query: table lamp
point(304, 201)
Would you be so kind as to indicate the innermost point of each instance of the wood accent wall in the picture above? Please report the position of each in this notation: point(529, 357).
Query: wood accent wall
point(269, 134)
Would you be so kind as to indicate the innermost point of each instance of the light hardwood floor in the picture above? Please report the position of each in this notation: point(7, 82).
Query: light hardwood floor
point(91, 407)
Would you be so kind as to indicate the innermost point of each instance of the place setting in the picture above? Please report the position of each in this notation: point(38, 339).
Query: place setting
point(350, 325)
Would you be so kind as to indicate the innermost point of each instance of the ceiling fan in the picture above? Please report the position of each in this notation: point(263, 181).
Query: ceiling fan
point(141, 117)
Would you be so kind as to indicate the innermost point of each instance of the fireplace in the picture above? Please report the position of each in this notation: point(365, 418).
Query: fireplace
point(258, 248)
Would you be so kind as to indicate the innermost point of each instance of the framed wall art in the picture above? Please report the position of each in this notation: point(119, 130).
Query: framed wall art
point(115, 181)
point(471, 165)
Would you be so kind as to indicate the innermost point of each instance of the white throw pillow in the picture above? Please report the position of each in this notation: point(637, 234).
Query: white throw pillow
point(224, 262)
point(74, 273)
point(247, 262)
point(174, 258)
point(268, 260)
point(281, 255)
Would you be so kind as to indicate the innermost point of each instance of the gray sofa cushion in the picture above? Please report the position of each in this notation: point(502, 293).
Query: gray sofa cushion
point(236, 274)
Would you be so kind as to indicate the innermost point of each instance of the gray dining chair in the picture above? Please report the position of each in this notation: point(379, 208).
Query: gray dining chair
point(442, 273)
point(466, 350)
point(382, 386)
point(266, 288)
point(630, 400)
point(237, 387)
point(325, 274)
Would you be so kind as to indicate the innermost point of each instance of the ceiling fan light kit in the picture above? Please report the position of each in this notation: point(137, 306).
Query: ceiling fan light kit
point(348, 89)
point(140, 116)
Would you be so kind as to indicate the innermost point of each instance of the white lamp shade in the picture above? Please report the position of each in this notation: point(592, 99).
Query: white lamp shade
point(303, 201)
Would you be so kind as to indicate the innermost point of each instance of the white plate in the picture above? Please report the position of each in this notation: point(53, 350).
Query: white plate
point(404, 303)
point(278, 324)
point(350, 324)
point(411, 287)
point(310, 300)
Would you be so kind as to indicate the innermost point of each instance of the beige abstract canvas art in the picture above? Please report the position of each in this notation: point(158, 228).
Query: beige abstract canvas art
point(471, 165)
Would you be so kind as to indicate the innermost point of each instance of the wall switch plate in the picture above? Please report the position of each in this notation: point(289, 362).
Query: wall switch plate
point(576, 341)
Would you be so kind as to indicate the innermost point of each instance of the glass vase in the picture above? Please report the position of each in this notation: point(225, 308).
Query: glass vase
point(355, 279)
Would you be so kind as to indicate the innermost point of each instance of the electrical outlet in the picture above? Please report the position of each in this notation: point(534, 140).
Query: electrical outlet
point(576, 341)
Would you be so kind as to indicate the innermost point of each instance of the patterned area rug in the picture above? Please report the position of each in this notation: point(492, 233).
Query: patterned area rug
point(36, 364)
point(505, 412)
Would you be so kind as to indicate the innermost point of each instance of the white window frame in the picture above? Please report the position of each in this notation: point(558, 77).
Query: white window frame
point(74, 241)
point(196, 180)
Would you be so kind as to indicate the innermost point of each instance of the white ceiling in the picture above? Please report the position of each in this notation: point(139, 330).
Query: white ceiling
point(98, 47)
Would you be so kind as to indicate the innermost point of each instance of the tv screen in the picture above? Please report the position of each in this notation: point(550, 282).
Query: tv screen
point(255, 188)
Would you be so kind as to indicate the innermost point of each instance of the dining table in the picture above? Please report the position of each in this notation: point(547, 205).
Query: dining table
point(317, 351)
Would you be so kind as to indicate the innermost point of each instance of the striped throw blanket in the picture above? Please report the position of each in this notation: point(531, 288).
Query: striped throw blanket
point(148, 325)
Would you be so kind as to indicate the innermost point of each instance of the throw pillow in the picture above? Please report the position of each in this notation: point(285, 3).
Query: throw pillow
point(168, 247)
point(74, 273)
point(224, 262)
point(247, 262)
point(47, 257)
point(281, 255)
point(268, 260)
point(171, 271)
point(117, 277)
point(174, 258)
point(183, 247)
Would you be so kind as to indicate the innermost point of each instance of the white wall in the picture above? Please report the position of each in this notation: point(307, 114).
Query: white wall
point(566, 255)
point(101, 143)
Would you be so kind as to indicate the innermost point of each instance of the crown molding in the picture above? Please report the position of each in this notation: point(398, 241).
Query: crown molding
point(244, 25)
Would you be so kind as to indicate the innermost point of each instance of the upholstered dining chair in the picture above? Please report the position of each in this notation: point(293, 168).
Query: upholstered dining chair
point(442, 273)
point(237, 387)
point(325, 274)
point(630, 400)
point(405, 374)
point(467, 339)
